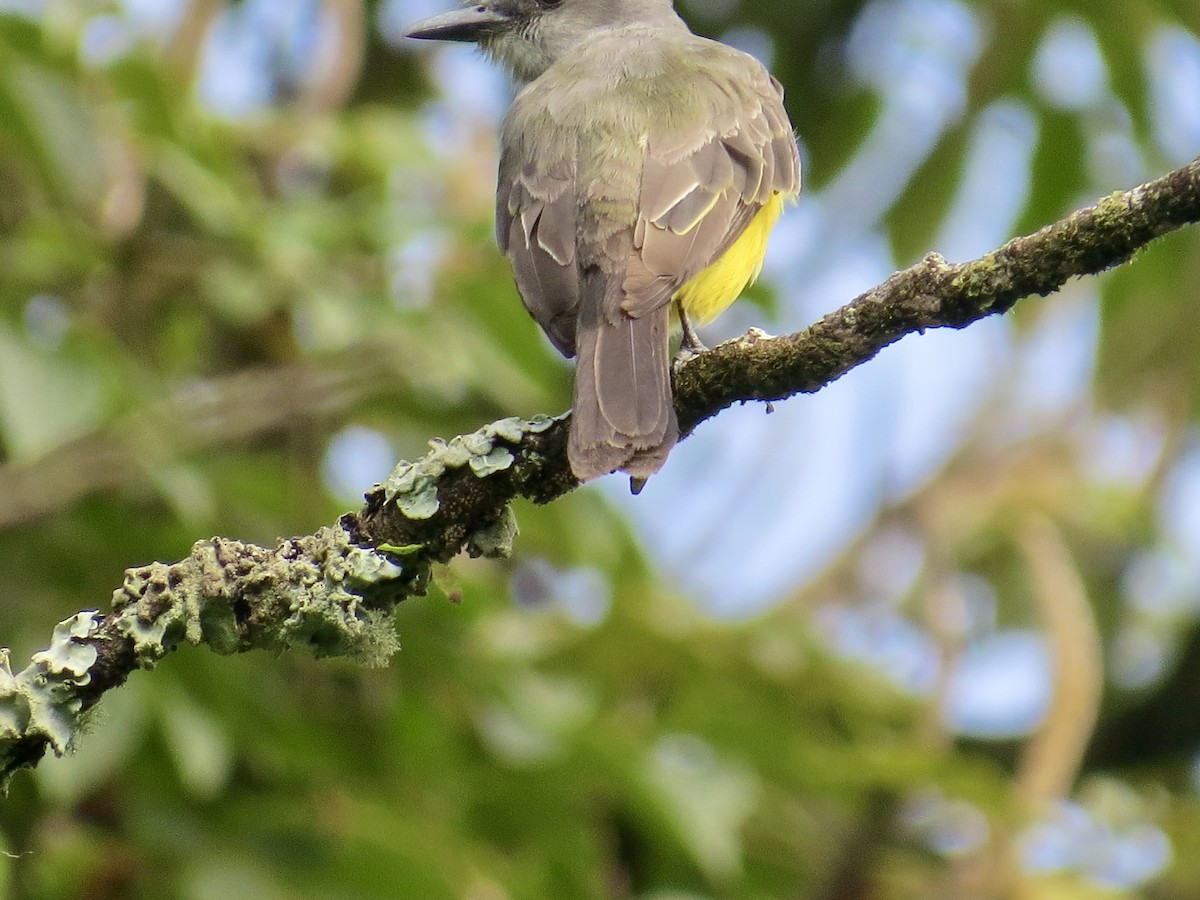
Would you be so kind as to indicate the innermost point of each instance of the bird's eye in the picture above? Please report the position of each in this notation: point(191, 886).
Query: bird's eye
point(549, 4)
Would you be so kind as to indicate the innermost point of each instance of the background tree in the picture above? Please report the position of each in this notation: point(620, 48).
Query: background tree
point(930, 632)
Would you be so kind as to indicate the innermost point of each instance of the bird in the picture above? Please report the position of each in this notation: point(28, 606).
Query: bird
point(642, 168)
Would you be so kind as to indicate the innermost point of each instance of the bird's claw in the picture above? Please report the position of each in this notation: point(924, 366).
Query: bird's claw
point(685, 355)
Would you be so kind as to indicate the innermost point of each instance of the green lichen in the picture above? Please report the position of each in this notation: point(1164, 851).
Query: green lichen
point(319, 593)
point(499, 459)
point(981, 280)
point(1114, 207)
point(477, 443)
point(368, 568)
point(67, 657)
point(158, 607)
point(511, 429)
point(413, 486)
point(495, 541)
point(332, 629)
point(13, 715)
point(43, 701)
point(219, 628)
point(335, 596)
point(541, 423)
point(329, 615)
point(400, 549)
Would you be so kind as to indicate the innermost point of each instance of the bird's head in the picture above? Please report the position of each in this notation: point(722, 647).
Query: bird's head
point(528, 36)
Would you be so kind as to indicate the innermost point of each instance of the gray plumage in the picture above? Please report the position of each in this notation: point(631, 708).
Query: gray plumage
point(634, 156)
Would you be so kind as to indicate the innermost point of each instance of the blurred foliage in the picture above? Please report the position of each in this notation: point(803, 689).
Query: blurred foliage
point(194, 304)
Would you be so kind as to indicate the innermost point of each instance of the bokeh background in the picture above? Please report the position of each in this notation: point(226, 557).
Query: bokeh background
point(928, 634)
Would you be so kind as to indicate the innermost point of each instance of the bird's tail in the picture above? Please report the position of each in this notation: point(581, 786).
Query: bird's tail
point(623, 417)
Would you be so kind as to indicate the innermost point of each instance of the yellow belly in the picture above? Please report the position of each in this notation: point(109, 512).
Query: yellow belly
point(712, 291)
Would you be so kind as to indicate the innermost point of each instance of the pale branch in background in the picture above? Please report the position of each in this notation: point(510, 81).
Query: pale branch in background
point(331, 592)
point(201, 414)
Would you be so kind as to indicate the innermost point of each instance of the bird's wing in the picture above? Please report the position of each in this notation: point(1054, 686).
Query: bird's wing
point(704, 181)
point(535, 219)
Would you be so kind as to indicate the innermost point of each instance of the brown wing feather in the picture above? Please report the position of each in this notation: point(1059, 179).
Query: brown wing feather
point(702, 186)
point(536, 227)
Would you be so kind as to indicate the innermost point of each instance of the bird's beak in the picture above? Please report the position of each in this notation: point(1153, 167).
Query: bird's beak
point(469, 24)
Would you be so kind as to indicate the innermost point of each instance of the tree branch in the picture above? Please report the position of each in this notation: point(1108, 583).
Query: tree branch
point(331, 592)
point(208, 413)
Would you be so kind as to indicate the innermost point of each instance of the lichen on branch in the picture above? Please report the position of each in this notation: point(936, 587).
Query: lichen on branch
point(332, 592)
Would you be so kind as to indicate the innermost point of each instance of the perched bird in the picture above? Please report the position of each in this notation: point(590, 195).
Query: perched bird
point(641, 169)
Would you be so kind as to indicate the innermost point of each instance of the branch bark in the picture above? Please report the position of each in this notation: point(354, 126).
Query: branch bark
point(331, 592)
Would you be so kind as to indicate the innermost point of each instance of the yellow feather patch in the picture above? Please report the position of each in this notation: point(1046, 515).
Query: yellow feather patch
point(712, 291)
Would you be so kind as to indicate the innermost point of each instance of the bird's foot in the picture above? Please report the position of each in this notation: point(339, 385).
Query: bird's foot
point(685, 355)
point(690, 345)
point(690, 341)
